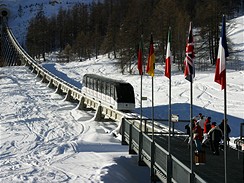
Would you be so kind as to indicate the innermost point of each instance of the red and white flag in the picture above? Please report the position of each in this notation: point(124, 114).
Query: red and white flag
point(140, 56)
point(220, 73)
point(167, 72)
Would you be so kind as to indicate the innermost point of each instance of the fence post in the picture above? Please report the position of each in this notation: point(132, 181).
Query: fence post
point(169, 168)
point(131, 151)
point(140, 162)
point(154, 178)
point(123, 142)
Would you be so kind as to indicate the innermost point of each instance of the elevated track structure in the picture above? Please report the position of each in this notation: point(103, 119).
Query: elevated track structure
point(136, 132)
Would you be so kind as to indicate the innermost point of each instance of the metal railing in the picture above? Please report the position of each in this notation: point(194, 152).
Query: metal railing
point(72, 92)
point(155, 156)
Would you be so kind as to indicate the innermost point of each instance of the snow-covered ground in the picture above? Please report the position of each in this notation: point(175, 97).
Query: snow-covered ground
point(45, 139)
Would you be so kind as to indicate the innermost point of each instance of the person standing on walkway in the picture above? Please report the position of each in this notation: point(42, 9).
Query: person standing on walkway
point(206, 128)
point(196, 118)
point(228, 130)
point(197, 136)
point(201, 121)
point(215, 135)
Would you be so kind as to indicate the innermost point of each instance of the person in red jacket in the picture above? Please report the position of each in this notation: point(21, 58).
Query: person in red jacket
point(206, 128)
point(197, 136)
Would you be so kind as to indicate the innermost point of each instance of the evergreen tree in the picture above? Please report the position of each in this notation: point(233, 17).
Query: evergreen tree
point(115, 26)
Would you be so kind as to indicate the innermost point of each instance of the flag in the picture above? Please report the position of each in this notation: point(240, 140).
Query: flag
point(167, 72)
point(151, 59)
point(140, 53)
point(189, 64)
point(220, 73)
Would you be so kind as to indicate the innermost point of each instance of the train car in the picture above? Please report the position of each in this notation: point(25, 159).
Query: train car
point(116, 94)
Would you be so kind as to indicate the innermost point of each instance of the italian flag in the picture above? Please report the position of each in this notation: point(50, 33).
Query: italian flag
point(167, 72)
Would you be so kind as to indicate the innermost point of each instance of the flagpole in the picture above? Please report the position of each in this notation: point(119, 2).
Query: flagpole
point(140, 44)
point(170, 112)
point(225, 128)
point(191, 145)
point(141, 83)
point(140, 67)
point(168, 74)
point(141, 107)
point(189, 75)
point(152, 144)
point(220, 78)
point(169, 162)
point(169, 117)
point(150, 71)
point(223, 31)
point(152, 112)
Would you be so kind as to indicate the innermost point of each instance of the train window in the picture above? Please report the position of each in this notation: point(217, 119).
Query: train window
point(89, 83)
point(125, 93)
point(103, 87)
point(92, 83)
point(112, 91)
point(95, 85)
point(108, 89)
point(99, 86)
point(85, 81)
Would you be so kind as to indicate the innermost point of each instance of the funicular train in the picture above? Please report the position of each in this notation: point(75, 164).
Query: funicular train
point(116, 94)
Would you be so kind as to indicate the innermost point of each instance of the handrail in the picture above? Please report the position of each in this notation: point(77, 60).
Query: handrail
point(72, 92)
point(33, 63)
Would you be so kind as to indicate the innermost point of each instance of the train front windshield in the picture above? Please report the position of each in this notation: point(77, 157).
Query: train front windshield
point(125, 93)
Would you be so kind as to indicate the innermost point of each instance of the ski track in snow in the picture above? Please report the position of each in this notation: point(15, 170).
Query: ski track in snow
point(38, 145)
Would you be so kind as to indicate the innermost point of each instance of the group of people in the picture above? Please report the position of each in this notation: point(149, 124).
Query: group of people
point(204, 131)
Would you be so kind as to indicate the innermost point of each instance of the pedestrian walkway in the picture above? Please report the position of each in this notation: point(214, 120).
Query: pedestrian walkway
point(214, 169)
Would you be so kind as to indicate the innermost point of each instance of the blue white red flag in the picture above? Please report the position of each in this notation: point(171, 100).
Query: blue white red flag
point(220, 72)
point(189, 63)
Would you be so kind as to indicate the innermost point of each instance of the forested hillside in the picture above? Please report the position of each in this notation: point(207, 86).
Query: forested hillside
point(115, 27)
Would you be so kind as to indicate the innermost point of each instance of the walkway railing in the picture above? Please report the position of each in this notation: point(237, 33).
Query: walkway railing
point(155, 156)
point(62, 87)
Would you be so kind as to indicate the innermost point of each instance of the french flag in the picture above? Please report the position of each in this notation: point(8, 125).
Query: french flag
point(220, 73)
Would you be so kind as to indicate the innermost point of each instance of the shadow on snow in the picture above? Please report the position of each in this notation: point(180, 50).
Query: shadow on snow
point(183, 110)
point(51, 68)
